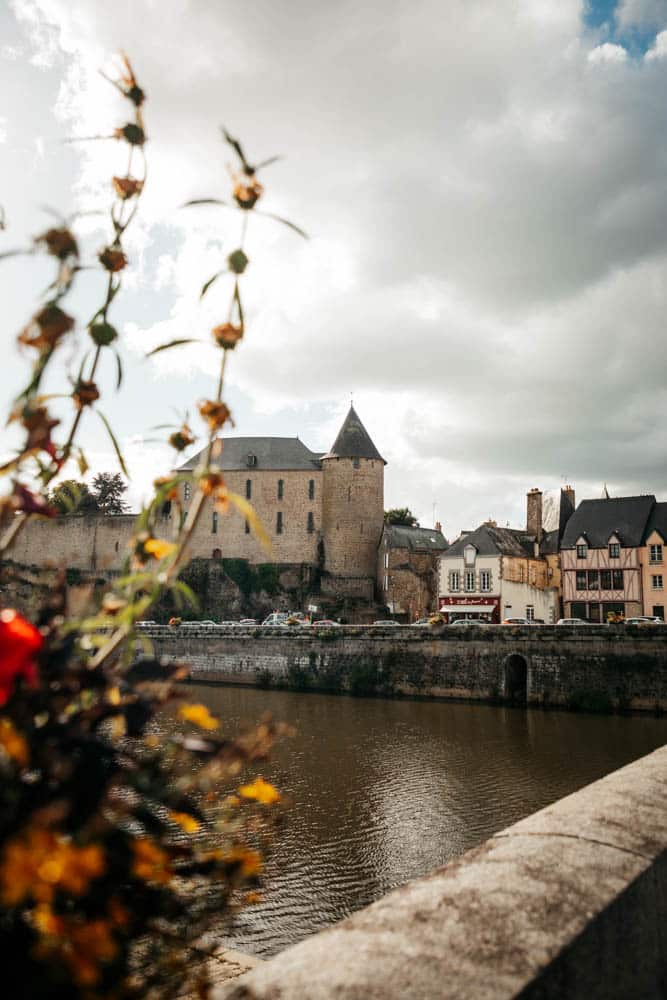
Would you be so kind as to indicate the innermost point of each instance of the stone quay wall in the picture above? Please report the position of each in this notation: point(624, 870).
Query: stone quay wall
point(570, 902)
point(608, 668)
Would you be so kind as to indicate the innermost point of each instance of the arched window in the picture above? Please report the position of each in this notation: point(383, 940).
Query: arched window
point(279, 523)
point(280, 489)
point(216, 554)
point(187, 491)
point(214, 523)
point(248, 489)
point(311, 522)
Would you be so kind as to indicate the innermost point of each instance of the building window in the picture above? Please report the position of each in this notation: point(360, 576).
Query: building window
point(214, 522)
point(605, 579)
point(279, 523)
point(247, 527)
point(280, 489)
point(349, 493)
point(530, 612)
point(470, 581)
point(311, 489)
point(582, 581)
point(386, 583)
point(454, 580)
point(187, 491)
point(655, 553)
point(485, 581)
point(248, 489)
point(656, 582)
point(617, 579)
point(581, 551)
point(614, 550)
point(386, 560)
point(521, 574)
point(355, 463)
point(311, 522)
point(659, 611)
point(593, 579)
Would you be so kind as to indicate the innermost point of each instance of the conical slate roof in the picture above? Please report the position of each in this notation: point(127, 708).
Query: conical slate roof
point(353, 440)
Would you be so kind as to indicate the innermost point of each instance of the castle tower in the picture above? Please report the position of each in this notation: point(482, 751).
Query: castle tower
point(352, 510)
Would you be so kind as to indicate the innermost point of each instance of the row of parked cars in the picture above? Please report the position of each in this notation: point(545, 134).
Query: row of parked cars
point(286, 619)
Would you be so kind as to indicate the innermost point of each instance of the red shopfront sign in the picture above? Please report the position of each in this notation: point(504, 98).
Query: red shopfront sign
point(464, 605)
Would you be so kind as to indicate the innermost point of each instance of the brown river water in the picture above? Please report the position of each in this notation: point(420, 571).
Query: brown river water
point(385, 791)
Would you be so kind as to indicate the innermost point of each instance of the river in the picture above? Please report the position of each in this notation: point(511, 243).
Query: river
point(384, 791)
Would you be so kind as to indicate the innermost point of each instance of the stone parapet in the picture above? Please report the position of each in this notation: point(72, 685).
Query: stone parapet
point(570, 902)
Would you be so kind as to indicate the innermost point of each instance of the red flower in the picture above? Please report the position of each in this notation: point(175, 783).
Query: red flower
point(19, 644)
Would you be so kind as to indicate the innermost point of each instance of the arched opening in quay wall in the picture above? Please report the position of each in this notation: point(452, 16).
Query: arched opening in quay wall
point(515, 683)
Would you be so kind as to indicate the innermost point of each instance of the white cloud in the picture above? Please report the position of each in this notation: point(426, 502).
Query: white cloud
point(659, 48)
point(641, 13)
point(489, 216)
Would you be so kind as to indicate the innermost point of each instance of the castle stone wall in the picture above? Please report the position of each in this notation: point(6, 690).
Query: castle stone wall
point(352, 518)
point(90, 542)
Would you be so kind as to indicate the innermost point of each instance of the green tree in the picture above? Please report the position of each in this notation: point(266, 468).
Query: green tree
point(401, 515)
point(108, 491)
point(72, 497)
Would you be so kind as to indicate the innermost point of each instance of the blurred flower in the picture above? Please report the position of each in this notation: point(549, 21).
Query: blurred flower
point(39, 862)
point(151, 863)
point(19, 644)
point(249, 861)
point(182, 439)
point(261, 791)
point(132, 133)
point(166, 481)
point(85, 393)
point(21, 499)
point(112, 260)
point(199, 715)
point(39, 424)
point(59, 243)
point(186, 822)
point(211, 483)
point(127, 187)
point(247, 192)
point(227, 335)
point(158, 548)
point(103, 334)
point(46, 328)
point(215, 413)
point(13, 743)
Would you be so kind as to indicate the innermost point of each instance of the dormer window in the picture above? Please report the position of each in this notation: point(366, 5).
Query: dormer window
point(469, 555)
point(251, 461)
point(614, 550)
point(582, 550)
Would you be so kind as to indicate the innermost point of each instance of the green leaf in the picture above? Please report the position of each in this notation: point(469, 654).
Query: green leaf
point(119, 454)
point(284, 222)
point(172, 343)
point(119, 370)
point(208, 284)
point(204, 201)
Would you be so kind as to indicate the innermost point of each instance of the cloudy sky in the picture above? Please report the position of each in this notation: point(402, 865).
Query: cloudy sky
point(485, 185)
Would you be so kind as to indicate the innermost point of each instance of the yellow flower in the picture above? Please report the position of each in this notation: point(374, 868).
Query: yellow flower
point(159, 549)
point(151, 863)
point(199, 715)
point(261, 791)
point(13, 743)
point(39, 863)
point(250, 861)
point(185, 821)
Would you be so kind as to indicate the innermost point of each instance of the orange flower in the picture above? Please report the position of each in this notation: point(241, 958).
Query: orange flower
point(211, 482)
point(46, 328)
point(112, 260)
point(127, 187)
point(180, 440)
point(13, 743)
point(151, 863)
point(172, 491)
point(215, 413)
point(199, 715)
point(247, 192)
point(158, 548)
point(19, 644)
point(185, 821)
point(39, 863)
point(249, 861)
point(260, 791)
point(227, 335)
point(85, 393)
point(59, 243)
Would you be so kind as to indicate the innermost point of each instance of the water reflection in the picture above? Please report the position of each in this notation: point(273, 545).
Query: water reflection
point(384, 791)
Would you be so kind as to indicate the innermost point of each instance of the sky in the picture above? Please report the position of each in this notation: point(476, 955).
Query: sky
point(484, 183)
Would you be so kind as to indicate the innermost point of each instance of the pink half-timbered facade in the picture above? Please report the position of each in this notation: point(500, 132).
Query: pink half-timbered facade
point(601, 558)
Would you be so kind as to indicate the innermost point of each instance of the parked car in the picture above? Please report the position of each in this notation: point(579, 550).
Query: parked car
point(468, 621)
point(516, 621)
point(325, 623)
point(385, 621)
point(144, 623)
point(231, 623)
point(572, 621)
point(248, 621)
point(276, 618)
point(644, 620)
point(421, 621)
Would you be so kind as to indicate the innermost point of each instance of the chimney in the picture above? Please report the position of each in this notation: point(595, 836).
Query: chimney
point(534, 513)
point(438, 526)
point(569, 492)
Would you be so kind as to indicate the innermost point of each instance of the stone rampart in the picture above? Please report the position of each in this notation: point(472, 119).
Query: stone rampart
point(570, 902)
point(601, 669)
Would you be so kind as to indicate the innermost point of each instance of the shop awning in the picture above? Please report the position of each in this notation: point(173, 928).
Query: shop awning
point(484, 609)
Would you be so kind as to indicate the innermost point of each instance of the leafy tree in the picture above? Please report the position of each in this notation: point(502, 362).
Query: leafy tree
point(72, 497)
point(401, 515)
point(108, 491)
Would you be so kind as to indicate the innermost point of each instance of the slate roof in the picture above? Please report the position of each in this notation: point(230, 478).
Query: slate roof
point(353, 440)
point(490, 541)
point(597, 520)
point(277, 453)
point(400, 536)
point(657, 521)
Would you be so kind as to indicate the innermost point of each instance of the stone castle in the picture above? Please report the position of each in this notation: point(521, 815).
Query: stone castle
point(323, 513)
